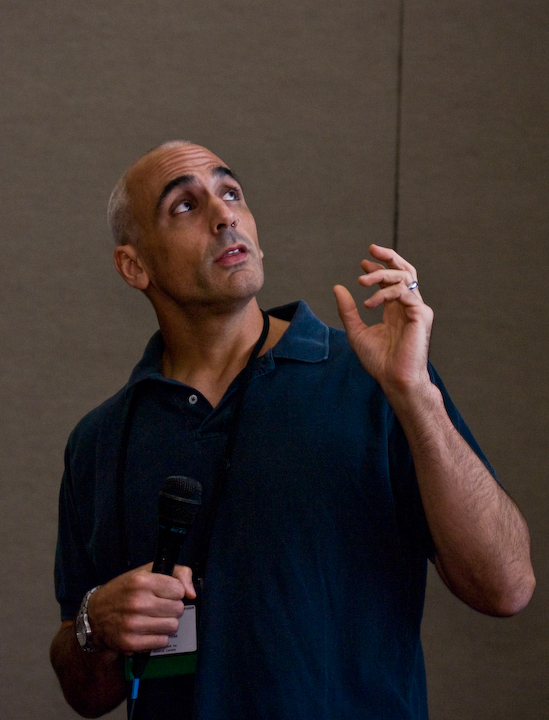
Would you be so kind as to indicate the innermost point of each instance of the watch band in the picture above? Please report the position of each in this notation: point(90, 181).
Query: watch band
point(84, 632)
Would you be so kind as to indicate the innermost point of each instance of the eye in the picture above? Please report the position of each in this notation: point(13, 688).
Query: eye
point(182, 207)
point(231, 195)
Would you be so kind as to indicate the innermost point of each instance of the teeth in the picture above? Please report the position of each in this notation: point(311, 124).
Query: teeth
point(233, 252)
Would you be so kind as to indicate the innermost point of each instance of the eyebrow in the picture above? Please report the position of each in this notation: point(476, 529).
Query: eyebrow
point(182, 180)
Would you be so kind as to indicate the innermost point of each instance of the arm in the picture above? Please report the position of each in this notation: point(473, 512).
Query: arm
point(92, 683)
point(133, 612)
point(481, 539)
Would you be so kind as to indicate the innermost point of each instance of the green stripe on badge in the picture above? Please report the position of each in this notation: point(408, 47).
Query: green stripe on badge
point(165, 666)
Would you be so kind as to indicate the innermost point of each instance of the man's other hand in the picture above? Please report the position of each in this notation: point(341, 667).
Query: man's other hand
point(138, 610)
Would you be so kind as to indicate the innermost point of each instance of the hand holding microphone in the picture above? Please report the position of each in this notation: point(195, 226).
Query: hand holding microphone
point(136, 611)
point(178, 503)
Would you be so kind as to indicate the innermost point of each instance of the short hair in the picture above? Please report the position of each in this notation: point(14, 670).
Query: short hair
point(120, 218)
point(122, 224)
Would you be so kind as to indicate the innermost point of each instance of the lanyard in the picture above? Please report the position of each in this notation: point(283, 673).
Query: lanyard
point(199, 564)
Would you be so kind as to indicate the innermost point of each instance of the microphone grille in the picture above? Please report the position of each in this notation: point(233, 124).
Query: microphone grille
point(179, 501)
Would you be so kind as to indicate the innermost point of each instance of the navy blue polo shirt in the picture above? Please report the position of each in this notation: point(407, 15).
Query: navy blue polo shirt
point(315, 579)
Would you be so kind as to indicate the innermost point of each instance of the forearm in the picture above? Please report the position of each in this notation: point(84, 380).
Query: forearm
point(481, 539)
point(92, 683)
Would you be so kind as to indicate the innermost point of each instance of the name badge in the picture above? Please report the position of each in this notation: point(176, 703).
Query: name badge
point(178, 657)
point(184, 640)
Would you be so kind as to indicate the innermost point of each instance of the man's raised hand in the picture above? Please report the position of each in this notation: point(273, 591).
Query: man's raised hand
point(394, 351)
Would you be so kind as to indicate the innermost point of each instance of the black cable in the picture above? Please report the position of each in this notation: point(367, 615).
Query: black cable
point(132, 701)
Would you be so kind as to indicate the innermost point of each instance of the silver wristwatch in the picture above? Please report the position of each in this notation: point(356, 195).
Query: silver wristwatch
point(84, 632)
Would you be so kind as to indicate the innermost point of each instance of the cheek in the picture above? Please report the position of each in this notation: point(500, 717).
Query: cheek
point(174, 264)
point(248, 221)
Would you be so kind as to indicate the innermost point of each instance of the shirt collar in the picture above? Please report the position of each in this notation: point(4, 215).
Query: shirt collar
point(306, 339)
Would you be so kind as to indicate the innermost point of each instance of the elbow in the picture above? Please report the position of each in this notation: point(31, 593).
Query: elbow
point(86, 712)
point(504, 595)
point(514, 599)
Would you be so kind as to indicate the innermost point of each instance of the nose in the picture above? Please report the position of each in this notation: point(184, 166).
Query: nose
point(222, 216)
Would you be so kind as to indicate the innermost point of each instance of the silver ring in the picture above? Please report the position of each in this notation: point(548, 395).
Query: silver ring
point(234, 224)
point(413, 285)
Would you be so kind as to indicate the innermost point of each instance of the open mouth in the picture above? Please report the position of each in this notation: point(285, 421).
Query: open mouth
point(236, 252)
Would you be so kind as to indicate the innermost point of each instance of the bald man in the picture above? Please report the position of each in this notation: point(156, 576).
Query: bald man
point(348, 467)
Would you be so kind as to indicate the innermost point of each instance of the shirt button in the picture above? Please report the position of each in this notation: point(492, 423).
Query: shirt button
point(193, 399)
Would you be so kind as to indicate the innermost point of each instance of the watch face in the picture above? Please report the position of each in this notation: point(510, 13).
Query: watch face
point(81, 631)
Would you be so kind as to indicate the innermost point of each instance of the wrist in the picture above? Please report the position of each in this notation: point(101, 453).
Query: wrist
point(87, 638)
point(410, 397)
point(420, 411)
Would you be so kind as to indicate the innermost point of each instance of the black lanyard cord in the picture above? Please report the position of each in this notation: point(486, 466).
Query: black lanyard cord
point(120, 480)
point(199, 564)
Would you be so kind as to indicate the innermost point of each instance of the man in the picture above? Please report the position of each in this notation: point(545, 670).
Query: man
point(348, 469)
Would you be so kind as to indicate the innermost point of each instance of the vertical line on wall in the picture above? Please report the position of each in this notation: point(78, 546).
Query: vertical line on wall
point(396, 189)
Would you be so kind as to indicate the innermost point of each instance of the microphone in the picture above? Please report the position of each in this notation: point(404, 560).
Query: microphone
point(178, 502)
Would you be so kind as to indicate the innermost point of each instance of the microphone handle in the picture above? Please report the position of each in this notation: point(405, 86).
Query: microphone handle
point(168, 548)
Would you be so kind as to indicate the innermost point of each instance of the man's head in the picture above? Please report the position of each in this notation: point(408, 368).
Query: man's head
point(119, 213)
point(185, 234)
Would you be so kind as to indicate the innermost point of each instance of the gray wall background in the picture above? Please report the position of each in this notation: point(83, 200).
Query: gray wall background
point(300, 98)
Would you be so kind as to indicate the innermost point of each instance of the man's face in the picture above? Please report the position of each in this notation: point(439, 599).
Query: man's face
point(198, 239)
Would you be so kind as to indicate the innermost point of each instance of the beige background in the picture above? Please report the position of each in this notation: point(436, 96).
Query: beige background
point(299, 96)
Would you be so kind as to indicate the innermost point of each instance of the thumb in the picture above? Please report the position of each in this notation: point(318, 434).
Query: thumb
point(184, 574)
point(348, 311)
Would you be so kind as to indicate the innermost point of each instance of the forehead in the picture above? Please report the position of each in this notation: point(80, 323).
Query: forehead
point(146, 179)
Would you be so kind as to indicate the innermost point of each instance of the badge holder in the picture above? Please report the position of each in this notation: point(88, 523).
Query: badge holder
point(180, 655)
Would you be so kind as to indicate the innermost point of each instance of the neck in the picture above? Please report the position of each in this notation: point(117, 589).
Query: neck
point(207, 351)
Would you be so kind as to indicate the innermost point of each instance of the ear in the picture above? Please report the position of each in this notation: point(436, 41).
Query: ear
point(128, 263)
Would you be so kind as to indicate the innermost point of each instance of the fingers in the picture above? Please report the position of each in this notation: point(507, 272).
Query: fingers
point(380, 275)
point(392, 259)
point(138, 633)
point(138, 610)
point(348, 311)
point(156, 593)
point(397, 271)
point(399, 291)
point(386, 277)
